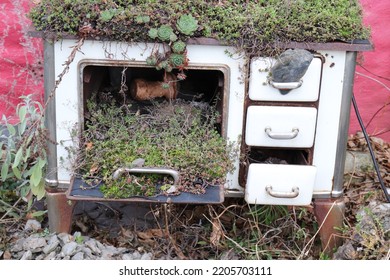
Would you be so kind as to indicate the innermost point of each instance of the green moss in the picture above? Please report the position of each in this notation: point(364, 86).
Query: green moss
point(176, 135)
point(252, 25)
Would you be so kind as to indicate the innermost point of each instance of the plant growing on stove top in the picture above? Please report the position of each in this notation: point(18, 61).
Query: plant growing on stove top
point(177, 56)
point(256, 27)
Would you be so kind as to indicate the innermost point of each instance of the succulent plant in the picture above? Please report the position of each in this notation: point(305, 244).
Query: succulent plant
point(177, 59)
point(162, 65)
point(142, 19)
point(165, 86)
point(181, 76)
point(168, 68)
point(107, 15)
point(151, 60)
point(187, 24)
point(153, 33)
point(178, 47)
point(165, 33)
point(173, 37)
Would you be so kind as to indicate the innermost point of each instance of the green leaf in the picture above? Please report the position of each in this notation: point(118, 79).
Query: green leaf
point(22, 127)
point(39, 190)
point(11, 129)
point(41, 163)
point(16, 172)
point(22, 113)
point(38, 213)
point(36, 175)
point(24, 189)
point(27, 155)
point(18, 157)
point(4, 171)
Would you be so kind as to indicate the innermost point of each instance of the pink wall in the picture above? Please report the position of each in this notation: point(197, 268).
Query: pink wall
point(21, 62)
point(372, 83)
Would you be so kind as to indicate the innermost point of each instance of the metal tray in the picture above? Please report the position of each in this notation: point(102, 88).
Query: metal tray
point(80, 190)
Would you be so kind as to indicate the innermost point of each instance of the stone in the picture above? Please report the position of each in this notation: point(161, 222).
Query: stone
point(136, 255)
point(64, 238)
point(18, 245)
point(291, 66)
point(32, 225)
point(40, 257)
point(53, 239)
point(108, 252)
point(356, 162)
point(27, 255)
point(146, 256)
point(51, 246)
point(345, 252)
point(99, 245)
point(382, 211)
point(78, 256)
point(7, 255)
point(87, 252)
point(127, 257)
point(69, 249)
point(92, 244)
point(1, 253)
point(51, 256)
point(34, 243)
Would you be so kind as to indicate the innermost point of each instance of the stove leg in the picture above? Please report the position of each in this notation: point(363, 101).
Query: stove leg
point(330, 214)
point(60, 211)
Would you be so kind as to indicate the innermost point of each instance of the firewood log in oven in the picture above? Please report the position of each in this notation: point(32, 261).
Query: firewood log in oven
point(142, 89)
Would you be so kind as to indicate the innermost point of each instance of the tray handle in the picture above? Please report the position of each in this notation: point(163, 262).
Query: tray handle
point(174, 173)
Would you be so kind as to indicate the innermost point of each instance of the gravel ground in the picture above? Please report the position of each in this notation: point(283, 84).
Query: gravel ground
point(34, 244)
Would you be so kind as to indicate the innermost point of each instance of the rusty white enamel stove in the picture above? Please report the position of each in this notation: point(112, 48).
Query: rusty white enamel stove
point(294, 144)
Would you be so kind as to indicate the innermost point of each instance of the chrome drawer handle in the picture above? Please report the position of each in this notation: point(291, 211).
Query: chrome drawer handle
point(294, 193)
point(282, 135)
point(291, 85)
point(175, 174)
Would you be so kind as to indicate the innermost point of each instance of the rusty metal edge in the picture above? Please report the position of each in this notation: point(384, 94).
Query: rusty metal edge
point(355, 45)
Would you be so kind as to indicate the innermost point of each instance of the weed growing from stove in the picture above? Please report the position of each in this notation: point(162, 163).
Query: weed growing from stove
point(178, 135)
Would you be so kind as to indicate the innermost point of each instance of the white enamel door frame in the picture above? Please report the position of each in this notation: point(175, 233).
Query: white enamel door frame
point(68, 99)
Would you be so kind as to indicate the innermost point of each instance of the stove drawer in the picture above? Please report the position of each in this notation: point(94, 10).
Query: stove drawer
point(260, 89)
point(280, 184)
point(278, 126)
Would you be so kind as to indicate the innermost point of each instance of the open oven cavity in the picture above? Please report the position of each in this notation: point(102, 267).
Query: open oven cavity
point(143, 92)
point(136, 84)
